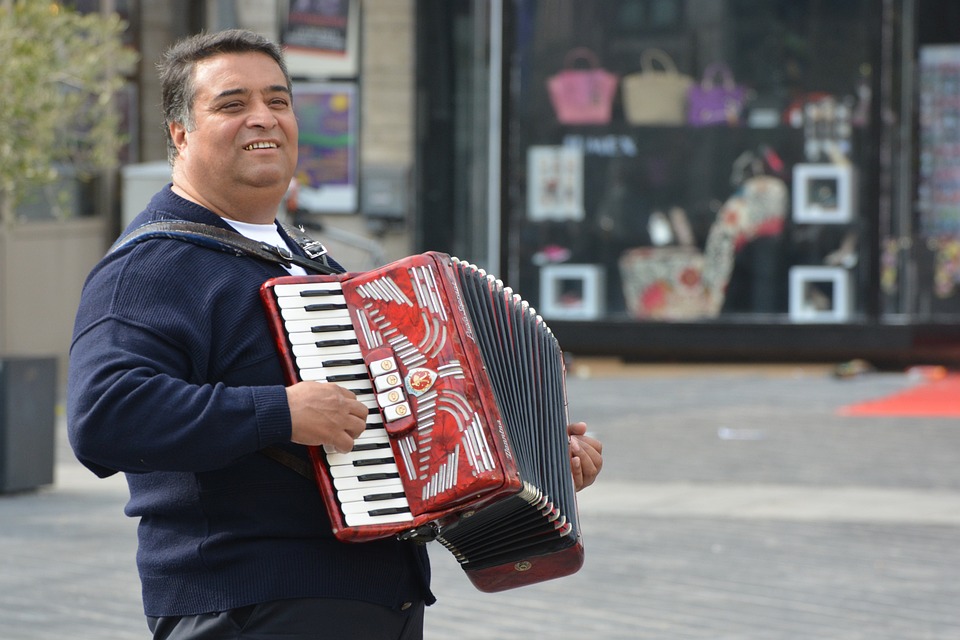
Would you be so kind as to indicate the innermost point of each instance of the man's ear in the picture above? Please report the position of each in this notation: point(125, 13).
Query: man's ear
point(178, 133)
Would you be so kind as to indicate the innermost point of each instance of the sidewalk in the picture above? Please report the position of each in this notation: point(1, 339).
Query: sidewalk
point(735, 503)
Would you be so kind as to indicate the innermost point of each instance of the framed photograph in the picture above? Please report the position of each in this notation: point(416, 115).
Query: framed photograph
point(327, 167)
point(555, 183)
point(571, 291)
point(320, 37)
point(822, 194)
point(820, 294)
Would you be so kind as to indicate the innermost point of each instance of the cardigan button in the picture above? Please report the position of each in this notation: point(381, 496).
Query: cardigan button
point(405, 606)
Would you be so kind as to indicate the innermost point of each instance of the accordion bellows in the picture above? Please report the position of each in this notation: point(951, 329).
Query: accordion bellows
point(466, 438)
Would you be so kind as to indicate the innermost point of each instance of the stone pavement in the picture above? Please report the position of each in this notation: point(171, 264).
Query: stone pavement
point(734, 504)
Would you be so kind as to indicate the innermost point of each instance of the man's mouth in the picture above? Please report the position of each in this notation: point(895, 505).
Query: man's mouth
point(261, 145)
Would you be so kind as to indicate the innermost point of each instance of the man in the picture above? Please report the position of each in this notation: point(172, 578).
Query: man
point(174, 381)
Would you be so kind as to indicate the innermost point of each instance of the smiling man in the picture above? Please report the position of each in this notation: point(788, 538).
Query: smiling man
point(175, 381)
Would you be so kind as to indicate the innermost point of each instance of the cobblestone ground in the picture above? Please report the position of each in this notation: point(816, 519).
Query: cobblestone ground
point(735, 503)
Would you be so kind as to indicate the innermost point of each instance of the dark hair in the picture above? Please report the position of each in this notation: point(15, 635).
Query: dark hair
point(177, 89)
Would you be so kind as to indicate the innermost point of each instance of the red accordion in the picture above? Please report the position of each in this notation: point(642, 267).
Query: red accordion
point(466, 437)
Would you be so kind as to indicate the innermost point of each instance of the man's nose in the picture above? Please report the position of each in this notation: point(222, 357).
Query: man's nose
point(261, 116)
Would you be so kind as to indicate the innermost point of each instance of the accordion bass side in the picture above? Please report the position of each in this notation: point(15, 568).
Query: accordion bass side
point(466, 436)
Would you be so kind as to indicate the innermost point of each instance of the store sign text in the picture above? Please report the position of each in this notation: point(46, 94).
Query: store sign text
point(609, 146)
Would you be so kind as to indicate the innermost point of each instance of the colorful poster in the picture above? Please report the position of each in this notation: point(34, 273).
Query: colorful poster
point(320, 25)
point(327, 166)
point(320, 37)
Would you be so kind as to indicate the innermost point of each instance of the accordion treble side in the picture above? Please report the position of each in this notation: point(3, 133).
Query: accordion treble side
point(466, 436)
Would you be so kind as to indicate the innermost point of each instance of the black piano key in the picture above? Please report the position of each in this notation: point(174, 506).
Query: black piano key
point(347, 377)
point(327, 328)
point(367, 477)
point(343, 342)
point(388, 512)
point(371, 446)
point(345, 362)
point(324, 307)
point(373, 462)
point(374, 497)
point(313, 293)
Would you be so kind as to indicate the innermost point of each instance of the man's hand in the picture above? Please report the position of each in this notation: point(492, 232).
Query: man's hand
point(325, 413)
point(586, 455)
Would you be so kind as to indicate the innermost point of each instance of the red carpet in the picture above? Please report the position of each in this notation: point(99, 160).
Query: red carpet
point(931, 398)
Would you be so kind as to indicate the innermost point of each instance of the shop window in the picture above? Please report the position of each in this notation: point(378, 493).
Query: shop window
point(660, 141)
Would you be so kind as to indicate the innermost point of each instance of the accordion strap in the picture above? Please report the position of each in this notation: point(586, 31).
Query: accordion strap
point(212, 237)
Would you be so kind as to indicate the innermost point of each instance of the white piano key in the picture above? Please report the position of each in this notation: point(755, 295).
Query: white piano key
point(380, 487)
point(297, 289)
point(335, 459)
point(307, 363)
point(307, 336)
point(361, 519)
point(348, 483)
point(372, 435)
point(294, 302)
point(299, 327)
point(349, 470)
point(333, 316)
point(373, 432)
point(332, 352)
point(350, 508)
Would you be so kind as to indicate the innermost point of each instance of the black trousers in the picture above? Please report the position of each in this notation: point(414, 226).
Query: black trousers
point(302, 619)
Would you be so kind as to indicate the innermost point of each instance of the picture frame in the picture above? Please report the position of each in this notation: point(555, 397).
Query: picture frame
point(320, 38)
point(555, 183)
point(327, 167)
point(823, 193)
point(571, 291)
point(820, 294)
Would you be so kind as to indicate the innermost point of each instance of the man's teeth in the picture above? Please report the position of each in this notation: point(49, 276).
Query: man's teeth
point(261, 145)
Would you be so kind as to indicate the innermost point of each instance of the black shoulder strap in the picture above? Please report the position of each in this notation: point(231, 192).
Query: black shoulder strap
point(212, 237)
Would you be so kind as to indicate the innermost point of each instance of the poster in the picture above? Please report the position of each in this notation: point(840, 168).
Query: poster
point(320, 37)
point(327, 165)
point(555, 183)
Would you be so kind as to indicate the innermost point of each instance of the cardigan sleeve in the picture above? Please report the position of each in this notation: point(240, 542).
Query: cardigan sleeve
point(163, 378)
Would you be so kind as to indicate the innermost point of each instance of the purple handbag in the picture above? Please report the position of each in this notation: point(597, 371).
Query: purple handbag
point(712, 103)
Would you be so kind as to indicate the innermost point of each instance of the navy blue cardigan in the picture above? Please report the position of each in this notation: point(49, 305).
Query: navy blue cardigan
point(174, 380)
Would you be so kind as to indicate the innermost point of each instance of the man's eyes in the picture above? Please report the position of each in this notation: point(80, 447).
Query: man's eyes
point(276, 103)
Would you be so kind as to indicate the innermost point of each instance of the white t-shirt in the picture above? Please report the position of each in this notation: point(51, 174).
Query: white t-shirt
point(266, 233)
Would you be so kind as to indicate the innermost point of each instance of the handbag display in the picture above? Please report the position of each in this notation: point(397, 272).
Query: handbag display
point(582, 95)
point(657, 94)
point(712, 103)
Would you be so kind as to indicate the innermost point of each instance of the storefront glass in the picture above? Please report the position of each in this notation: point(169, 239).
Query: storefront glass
point(694, 160)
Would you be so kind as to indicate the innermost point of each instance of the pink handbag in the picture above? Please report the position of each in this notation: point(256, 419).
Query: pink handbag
point(710, 103)
point(582, 95)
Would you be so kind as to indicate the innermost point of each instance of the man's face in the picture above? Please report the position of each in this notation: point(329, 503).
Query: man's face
point(245, 131)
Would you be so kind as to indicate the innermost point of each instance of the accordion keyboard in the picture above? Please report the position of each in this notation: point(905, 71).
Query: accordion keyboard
point(325, 349)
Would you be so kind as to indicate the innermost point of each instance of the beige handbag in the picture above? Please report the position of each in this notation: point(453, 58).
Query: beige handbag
point(655, 96)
